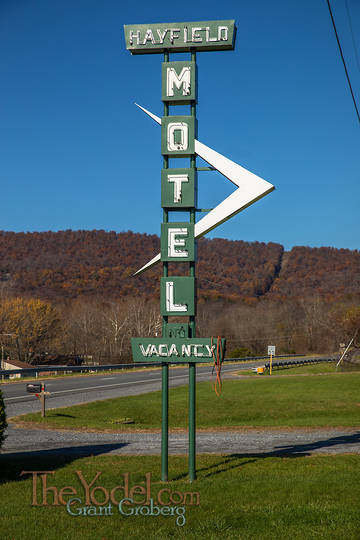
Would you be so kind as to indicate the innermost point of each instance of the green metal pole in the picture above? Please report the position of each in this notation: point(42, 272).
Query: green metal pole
point(192, 368)
point(193, 211)
point(192, 422)
point(164, 396)
point(164, 421)
point(165, 366)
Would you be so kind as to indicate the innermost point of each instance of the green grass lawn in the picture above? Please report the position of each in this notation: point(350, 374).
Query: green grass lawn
point(244, 498)
point(319, 400)
point(253, 497)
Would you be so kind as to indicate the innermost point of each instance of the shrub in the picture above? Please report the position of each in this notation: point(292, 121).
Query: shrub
point(240, 352)
point(3, 424)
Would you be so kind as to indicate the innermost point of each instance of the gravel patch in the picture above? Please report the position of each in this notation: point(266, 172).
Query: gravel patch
point(245, 442)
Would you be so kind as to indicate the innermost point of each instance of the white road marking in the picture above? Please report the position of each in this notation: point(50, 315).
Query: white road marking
point(123, 384)
point(103, 386)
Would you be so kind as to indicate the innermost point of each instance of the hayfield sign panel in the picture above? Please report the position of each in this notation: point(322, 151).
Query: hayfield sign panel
point(180, 37)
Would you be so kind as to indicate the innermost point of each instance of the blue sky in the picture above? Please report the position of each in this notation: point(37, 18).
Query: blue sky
point(75, 153)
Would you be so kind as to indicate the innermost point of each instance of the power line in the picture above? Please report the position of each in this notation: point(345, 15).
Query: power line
point(352, 34)
point(343, 60)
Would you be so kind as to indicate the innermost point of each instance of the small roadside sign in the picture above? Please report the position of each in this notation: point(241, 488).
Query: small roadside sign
point(271, 350)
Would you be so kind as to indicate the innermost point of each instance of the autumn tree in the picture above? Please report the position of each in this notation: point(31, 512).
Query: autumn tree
point(116, 331)
point(347, 318)
point(82, 328)
point(33, 323)
point(103, 329)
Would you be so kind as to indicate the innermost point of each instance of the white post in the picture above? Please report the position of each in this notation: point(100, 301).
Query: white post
point(346, 350)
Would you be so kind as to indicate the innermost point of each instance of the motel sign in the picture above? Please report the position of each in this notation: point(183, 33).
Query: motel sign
point(179, 193)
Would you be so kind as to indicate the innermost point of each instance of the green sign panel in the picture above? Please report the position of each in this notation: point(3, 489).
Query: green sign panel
point(176, 350)
point(178, 136)
point(179, 82)
point(178, 37)
point(177, 242)
point(177, 330)
point(179, 188)
point(177, 296)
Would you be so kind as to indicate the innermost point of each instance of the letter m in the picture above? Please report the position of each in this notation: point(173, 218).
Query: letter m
point(191, 498)
point(180, 81)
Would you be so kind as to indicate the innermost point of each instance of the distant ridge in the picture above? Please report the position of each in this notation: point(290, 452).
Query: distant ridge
point(68, 264)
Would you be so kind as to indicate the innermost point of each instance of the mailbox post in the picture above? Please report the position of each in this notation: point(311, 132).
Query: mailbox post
point(39, 389)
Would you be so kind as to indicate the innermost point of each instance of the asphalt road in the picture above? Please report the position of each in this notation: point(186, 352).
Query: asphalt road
point(68, 391)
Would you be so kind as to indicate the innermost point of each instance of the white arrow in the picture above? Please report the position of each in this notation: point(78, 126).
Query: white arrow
point(251, 188)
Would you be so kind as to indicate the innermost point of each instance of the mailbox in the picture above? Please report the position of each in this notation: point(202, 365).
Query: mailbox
point(35, 388)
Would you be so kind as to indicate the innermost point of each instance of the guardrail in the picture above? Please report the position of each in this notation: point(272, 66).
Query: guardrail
point(35, 371)
point(253, 358)
point(299, 362)
point(69, 369)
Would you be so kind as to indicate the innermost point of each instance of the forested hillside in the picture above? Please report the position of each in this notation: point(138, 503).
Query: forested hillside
point(72, 264)
point(69, 264)
point(328, 272)
point(73, 293)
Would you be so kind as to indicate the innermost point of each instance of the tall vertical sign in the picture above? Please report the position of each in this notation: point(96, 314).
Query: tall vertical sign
point(178, 194)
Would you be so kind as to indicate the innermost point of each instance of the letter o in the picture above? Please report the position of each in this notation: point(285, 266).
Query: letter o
point(104, 491)
point(160, 501)
point(181, 130)
point(174, 501)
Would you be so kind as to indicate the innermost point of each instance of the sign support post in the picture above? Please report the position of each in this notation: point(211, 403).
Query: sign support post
point(192, 366)
point(271, 353)
point(164, 420)
point(192, 422)
point(165, 365)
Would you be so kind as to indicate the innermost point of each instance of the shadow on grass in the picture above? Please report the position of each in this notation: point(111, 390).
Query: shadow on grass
point(354, 438)
point(62, 415)
point(230, 461)
point(11, 464)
